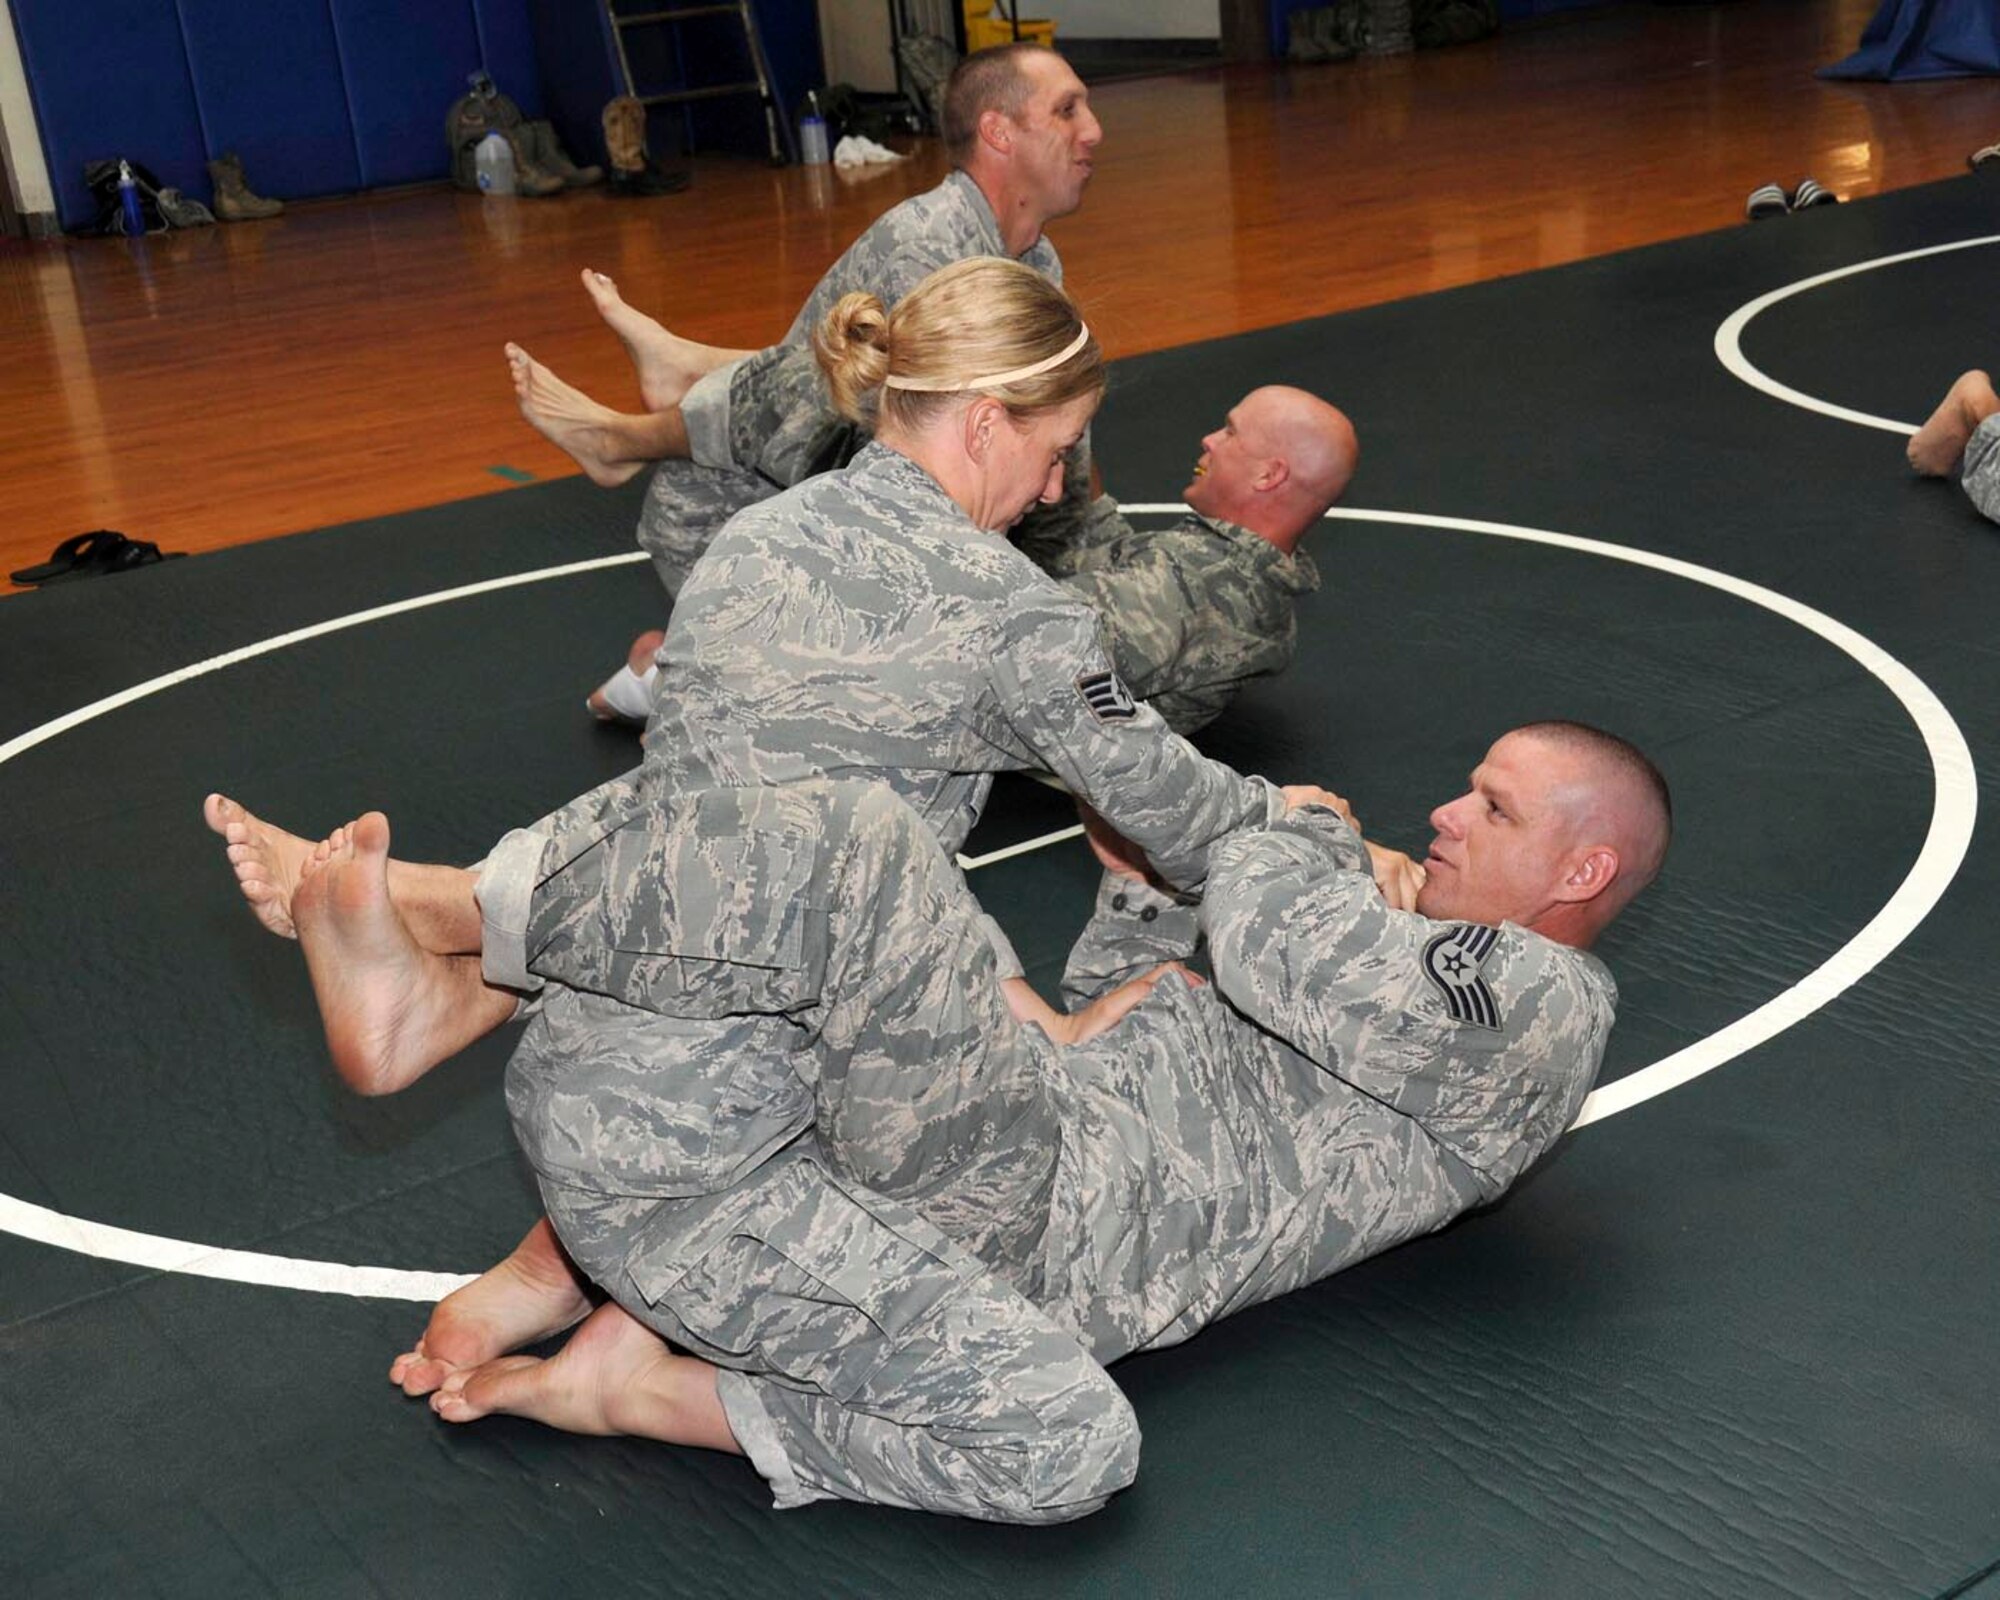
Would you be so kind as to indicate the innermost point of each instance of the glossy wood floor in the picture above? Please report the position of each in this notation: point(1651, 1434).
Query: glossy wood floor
point(207, 388)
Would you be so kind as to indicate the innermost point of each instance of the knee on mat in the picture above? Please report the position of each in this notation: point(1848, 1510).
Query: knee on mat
point(1075, 1469)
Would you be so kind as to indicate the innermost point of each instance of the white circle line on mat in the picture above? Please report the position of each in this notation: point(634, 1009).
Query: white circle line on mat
point(1729, 337)
point(1954, 811)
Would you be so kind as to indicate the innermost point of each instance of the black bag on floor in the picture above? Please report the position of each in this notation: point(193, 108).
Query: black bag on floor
point(101, 179)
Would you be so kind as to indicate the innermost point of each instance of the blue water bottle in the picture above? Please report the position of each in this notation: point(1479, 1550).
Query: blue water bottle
point(128, 202)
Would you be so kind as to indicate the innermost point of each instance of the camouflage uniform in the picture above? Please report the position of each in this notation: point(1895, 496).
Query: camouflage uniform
point(693, 926)
point(1981, 470)
point(1191, 613)
point(764, 423)
point(1355, 1076)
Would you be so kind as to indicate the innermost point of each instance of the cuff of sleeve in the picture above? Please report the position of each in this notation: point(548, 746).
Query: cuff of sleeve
point(1119, 896)
point(705, 415)
point(1330, 828)
point(1009, 964)
point(752, 1425)
point(505, 886)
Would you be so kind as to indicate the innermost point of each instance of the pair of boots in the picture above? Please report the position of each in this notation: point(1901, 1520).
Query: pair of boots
point(541, 165)
point(633, 171)
point(233, 200)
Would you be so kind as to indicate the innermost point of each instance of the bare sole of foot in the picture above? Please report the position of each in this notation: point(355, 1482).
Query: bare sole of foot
point(268, 861)
point(667, 364)
point(1937, 446)
point(591, 435)
point(531, 1296)
point(391, 1009)
point(615, 1376)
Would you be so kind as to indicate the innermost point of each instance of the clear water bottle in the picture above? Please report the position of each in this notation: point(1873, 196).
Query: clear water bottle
point(812, 134)
point(128, 202)
point(493, 164)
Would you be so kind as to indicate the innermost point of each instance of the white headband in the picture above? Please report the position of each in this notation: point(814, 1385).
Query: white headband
point(996, 380)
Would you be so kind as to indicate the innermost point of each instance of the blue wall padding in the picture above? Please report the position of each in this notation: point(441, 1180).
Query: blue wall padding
point(507, 42)
point(404, 61)
point(110, 78)
point(267, 81)
point(327, 96)
point(579, 72)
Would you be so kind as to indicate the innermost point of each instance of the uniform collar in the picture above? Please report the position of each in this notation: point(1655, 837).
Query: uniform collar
point(1294, 573)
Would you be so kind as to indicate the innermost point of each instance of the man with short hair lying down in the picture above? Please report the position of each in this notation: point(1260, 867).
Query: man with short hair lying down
point(928, 1331)
point(1189, 613)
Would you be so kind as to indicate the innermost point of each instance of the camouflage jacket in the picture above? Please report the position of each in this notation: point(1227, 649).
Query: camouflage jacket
point(860, 624)
point(1192, 612)
point(909, 242)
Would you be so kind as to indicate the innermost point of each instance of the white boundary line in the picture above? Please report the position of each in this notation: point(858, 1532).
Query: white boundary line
point(1729, 337)
point(1954, 811)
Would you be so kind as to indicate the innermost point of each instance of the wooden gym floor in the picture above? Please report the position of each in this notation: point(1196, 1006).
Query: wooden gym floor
point(208, 388)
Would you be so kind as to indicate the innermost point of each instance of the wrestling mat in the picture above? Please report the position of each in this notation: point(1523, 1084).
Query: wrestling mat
point(1737, 1337)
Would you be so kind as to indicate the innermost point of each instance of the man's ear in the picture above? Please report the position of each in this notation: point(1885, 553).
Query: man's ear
point(1274, 473)
point(996, 132)
point(1594, 869)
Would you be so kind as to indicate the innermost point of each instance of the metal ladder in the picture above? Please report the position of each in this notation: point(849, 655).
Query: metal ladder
point(776, 128)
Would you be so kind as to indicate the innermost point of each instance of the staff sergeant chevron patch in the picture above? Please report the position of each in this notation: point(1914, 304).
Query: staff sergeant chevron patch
point(1109, 700)
point(1451, 962)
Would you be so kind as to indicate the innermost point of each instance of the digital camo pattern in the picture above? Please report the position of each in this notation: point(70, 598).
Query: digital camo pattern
point(1313, 1106)
point(780, 424)
point(860, 624)
point(909, 242)
point(1191, 612)
point(1981, 471)
point(895, 1101)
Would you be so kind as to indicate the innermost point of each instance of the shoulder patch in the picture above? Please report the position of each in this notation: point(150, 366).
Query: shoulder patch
point(1107, 697)
point(1451, 963)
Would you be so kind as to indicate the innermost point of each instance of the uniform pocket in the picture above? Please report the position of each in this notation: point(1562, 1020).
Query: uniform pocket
point(702, 908)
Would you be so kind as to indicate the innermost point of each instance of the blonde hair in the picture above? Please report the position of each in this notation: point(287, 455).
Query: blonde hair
point(968, 321)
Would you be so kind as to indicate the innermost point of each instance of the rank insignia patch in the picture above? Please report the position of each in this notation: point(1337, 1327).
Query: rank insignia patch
point(1451, 962)
point(1109, 700)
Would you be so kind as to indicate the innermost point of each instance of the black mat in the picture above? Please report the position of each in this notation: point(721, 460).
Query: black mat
point(1736, 1341)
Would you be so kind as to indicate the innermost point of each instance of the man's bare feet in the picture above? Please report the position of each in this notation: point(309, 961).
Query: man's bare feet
point(668, 365)
point(535, 1293)
point(267, 861)
point(1935, 449)
point(617, 701)
point(603, 442)
point(615, 1376)
point(391, 1009)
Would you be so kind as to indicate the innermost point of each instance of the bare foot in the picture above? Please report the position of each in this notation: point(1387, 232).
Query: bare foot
point(614, 1376)
point(268, 861)
point(668, 365)
point(612, 705)
point(391, 1009)
point(595, 437)
point(535, 1293)
point(1939, 443)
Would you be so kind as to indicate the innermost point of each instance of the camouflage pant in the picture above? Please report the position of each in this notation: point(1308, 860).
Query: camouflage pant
point(716, 1092)
point(913, 1295)
point(1981, 472)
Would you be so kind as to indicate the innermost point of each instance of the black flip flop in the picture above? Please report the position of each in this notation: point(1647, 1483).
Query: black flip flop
point(81, 550)
point(120, 557)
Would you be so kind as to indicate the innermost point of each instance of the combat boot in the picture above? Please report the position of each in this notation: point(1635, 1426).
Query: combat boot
point(632, 170)
point(553, 159)
point(233, 200)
